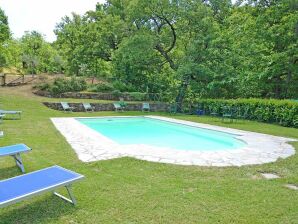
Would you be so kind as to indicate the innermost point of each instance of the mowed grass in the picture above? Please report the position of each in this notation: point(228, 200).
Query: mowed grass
point(127, 190)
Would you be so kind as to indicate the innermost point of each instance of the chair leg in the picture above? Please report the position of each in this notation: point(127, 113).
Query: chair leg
point(71, 198)
point(19, 162)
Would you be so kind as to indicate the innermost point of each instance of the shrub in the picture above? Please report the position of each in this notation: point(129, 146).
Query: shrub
point(122, 87)
point(137, 96)
point(61, 85)
point(283, 112)
point(116, 93)
point(77, 84)
point(43, 86)
point(101, 87)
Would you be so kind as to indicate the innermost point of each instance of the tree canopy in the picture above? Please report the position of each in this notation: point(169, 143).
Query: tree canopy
point(206, 49)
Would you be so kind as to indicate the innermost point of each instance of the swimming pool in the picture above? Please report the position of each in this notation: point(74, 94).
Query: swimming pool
point(104, 138)
point(158, 133)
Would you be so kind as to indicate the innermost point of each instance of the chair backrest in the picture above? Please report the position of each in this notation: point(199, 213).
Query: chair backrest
point(122, 102)
point(146, 106)
point(173, 108)
point(87, 105)
point(117, 105)
point(226, 109)
point(65, 105)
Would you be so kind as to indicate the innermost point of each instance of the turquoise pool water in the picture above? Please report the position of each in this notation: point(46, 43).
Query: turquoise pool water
point(154, 132)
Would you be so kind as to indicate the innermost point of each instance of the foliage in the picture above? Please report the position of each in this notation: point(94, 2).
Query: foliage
point(183, 49)
point(123, 87)
point(38, 55)
point(116, 93)
point(43, 86)
point(4, 36)
point(137, 96)
point(283, 112)
point(31, 53)
point(4, 27)
point(61, 85)
point(208, 49)
point(89, 41)
point(101, 87)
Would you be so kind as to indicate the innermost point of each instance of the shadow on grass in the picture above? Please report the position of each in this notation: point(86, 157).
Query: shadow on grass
point(45, 210)
point(8, 172)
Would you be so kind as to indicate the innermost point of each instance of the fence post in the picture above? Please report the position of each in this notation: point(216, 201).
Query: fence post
point(3, 77)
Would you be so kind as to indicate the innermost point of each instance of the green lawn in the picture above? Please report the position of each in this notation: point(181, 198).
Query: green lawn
point(127, 190)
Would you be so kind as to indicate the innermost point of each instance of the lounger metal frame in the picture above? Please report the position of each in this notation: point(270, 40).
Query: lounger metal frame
point(18, 159)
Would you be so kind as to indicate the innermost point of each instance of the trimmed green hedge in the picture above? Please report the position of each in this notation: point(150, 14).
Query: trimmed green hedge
point(283, 112)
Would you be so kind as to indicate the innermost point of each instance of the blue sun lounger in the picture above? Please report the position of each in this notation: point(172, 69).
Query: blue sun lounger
point(35, 183)
point(11, 112)
point(15, 151)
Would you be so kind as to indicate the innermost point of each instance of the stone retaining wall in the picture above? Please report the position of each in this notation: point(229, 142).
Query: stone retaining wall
point(78, 107)
point(78, 95)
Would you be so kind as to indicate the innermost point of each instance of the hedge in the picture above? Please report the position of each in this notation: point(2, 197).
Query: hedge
point(283, 112)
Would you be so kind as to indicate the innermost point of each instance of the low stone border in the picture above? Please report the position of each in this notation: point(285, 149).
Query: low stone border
point(78, 107)
point(93, 146)
point(87, 95)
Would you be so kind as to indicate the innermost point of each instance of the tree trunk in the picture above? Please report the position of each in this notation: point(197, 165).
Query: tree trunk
point(288, 83)
point(278, 87)
point(166, 56)
point(182, 91)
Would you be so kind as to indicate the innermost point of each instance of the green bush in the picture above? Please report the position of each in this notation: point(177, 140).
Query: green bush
point(116, 93)
point(137, 96)
point(61, 85)
point(283, 112)
point(77, 84)
point(43, 86)
point(123, 87)
point(101, 87)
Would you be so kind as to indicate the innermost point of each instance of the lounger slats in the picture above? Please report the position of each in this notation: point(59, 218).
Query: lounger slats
point(18, 188)
point(13, 149)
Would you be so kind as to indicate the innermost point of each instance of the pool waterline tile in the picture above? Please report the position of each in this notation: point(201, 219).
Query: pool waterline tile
point(260, 148)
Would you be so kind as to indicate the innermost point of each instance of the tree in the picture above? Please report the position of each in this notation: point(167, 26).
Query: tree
point(265, 48)
point(4, 36)
point(4, 28)
point(208, 48)
point(38, 55)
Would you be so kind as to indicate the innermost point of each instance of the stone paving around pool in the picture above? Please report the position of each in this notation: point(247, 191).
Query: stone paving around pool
point(93, 146)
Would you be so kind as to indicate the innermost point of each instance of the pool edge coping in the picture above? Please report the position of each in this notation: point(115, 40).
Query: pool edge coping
point(93, 146)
